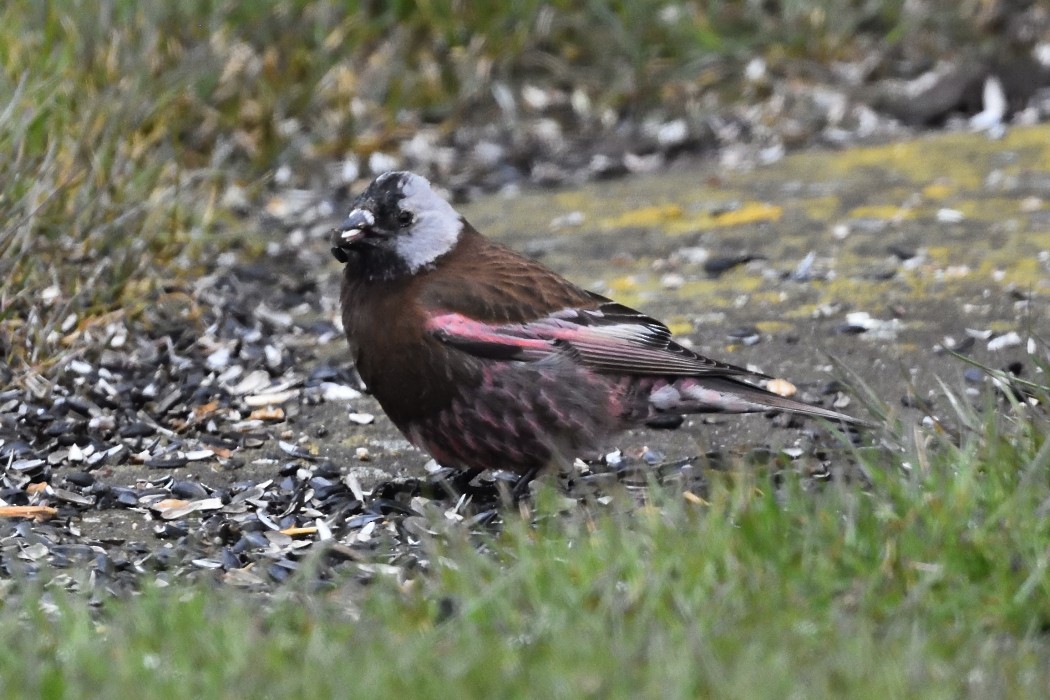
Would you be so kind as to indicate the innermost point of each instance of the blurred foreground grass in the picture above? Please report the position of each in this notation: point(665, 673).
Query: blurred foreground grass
point(125, 126)
point(931, 583)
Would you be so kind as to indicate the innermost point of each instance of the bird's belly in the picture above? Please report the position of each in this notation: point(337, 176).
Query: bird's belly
point(521, 416)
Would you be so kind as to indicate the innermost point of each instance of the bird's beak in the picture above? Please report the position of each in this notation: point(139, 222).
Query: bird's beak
point(358, 222)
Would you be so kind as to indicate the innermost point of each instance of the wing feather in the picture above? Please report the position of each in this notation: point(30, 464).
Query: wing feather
point(610, 338)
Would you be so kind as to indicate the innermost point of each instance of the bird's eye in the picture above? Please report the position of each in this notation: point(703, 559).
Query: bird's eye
point(405, 218)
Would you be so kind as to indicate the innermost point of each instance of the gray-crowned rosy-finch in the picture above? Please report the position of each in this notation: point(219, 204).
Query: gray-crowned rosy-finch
point(487, 359)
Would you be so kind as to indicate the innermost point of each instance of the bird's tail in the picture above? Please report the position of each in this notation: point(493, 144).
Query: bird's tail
point(729, 395)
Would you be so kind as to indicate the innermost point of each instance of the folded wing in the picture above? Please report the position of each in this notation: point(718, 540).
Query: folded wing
point(608, 338)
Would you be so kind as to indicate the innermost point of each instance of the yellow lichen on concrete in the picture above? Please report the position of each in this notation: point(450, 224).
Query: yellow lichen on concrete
point(870, 295)
point(820, 208)
point(679, 325)
point(673, 219)
point(763, 298)
point(772, 327)
point(941, 254)
point(644, 217)
point(1038, 240)
point(731, 283)
point(1022, 272)
point(624, 283)
point(920, 161)
point(1032, 143)
point(885, 212)
point(801, 311)
point(937, 190)
point(749, 213)
point(992, 209)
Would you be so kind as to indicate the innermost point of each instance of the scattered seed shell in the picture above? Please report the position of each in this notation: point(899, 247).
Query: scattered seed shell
point(781, 387)
point(268, 413)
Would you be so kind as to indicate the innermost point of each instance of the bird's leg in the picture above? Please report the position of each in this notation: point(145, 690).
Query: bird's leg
point(459, 483)
point(521, 486)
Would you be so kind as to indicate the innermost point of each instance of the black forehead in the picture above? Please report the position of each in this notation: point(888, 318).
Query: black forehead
point(384, 194)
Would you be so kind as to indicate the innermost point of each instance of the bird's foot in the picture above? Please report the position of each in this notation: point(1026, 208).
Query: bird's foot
point(458, 482)
point(521, 486)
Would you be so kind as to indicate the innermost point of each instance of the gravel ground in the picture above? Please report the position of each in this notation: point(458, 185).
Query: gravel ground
point(222, 433)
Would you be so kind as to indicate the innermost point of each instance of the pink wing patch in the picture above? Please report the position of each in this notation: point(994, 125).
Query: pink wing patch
point(487, 340)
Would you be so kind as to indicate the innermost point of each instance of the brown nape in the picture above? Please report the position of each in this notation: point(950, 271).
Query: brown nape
point(490, 282)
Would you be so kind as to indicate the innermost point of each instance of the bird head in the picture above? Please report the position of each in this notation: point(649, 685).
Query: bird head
point(397, 227)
